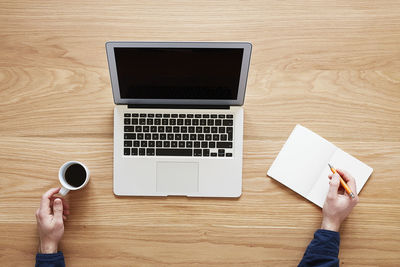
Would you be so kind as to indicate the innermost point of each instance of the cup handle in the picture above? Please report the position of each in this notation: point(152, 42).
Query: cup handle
point(63, 191)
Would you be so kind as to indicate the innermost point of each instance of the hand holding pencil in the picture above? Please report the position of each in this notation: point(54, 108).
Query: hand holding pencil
point(337, 205)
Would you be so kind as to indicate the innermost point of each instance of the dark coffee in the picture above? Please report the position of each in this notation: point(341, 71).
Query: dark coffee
point(75, 175)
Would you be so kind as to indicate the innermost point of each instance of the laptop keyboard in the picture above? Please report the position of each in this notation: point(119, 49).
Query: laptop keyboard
point(178, 134)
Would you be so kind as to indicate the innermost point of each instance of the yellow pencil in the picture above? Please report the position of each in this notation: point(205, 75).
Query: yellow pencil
point(342, 182)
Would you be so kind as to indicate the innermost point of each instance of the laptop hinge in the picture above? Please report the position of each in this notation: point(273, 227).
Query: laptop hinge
point(180, 106)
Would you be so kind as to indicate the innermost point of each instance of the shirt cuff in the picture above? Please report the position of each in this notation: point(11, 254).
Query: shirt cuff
point(49, 257)
point(325, 242)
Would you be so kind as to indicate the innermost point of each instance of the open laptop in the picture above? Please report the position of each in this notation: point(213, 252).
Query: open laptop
point(178, 120)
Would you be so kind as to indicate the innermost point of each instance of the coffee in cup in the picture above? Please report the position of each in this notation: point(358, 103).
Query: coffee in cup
point(73, 175)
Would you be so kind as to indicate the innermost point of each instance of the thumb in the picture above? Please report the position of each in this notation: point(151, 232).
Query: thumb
point(58, 209)
point(334, 185)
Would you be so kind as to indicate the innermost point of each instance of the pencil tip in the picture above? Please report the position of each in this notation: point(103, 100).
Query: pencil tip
point(330, 166)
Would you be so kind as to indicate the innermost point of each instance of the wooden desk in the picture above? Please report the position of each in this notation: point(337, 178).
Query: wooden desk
point(331, 66)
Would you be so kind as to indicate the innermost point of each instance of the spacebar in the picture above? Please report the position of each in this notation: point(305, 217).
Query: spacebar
point(173, 152)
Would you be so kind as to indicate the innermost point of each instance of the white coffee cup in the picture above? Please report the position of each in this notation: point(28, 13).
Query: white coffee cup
point(66, 183)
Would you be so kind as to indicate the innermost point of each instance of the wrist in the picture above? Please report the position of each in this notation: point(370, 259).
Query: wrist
point(48, 247)
point(331, 226)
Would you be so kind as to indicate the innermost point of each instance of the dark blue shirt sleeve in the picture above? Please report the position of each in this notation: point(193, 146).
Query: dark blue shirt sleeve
point(323, 250)
point(50, 260)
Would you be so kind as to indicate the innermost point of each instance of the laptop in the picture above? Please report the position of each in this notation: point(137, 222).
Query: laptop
point(178, 120)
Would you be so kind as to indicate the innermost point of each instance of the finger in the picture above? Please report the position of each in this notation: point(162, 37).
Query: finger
point(330, 176)
point(58, 209)
point(65, 204)
point(334, 186)
point(45, 202)
point(351, 182)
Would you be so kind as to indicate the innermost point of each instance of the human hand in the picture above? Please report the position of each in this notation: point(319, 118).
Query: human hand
point(338, 203)
point(50, 221)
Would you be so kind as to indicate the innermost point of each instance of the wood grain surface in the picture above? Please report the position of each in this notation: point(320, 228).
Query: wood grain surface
point(332, 66)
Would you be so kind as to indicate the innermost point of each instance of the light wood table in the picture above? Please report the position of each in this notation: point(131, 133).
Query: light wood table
point(332, 66)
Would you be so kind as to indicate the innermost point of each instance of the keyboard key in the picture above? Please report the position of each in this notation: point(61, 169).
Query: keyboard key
point(210, 122)
point(200, 137)
point(129, 128)
point(189, 144)
point(142, 151)
point(157, 121)
point(130, 136)
point(174, 144)
point(163, 137)
point(206, 116)
point(151, 143)
point(158, 143)
point(183, 129)
point(214, 129)
point(199, 129)
point(136, 143)
point(218, 122)
point(197, 152)
point(149, 121)
point(150, 152)
point(146, 129)
point(127, 143)
point(228, 122)
point(172, 122)
point(166, 116)
point(134, 152)
point(197, 116)
point(139, 136)
point(127, 151)
point(192, 137)
point(127, 121)
point(211, 144)
point(127, 115)
point(168, 129)
point(151, 115)
point(206, 152)
point(208, 137)
point(191, 129)
point(161, 129)
point(195, 122)
point(196, 144)
point(188, 122)
point(158, 115)
point(178, 137)
point(164, 121)
point(182, 115)
point(213, 154)
point(142, 121)
point(181, 144)
point(228, 154)
point(229, 116)
point(147, 136)
point(175, 129)
point(173, 152)
point(185, 136)
point(166, 143)
point(221, 116)
point(153, 129)
point(174, 115)
point(179, 121)
point(142, 115)
point(204, 144)
point(221, 129)
point(170, 136)
point(138, 128)
point(154, 136)
point(143, 144)
point(135, 115)
point(215, 137)
point(213, 115)
point(189, 115)
point(135, 121)
point(224, 144)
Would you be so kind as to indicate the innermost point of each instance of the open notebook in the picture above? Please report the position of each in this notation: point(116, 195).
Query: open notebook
point(302, 165)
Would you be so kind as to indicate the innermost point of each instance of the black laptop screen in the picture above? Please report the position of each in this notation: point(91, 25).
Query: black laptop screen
point(178, 73)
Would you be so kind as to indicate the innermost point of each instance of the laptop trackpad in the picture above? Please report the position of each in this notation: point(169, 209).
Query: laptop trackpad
point(177, 178)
